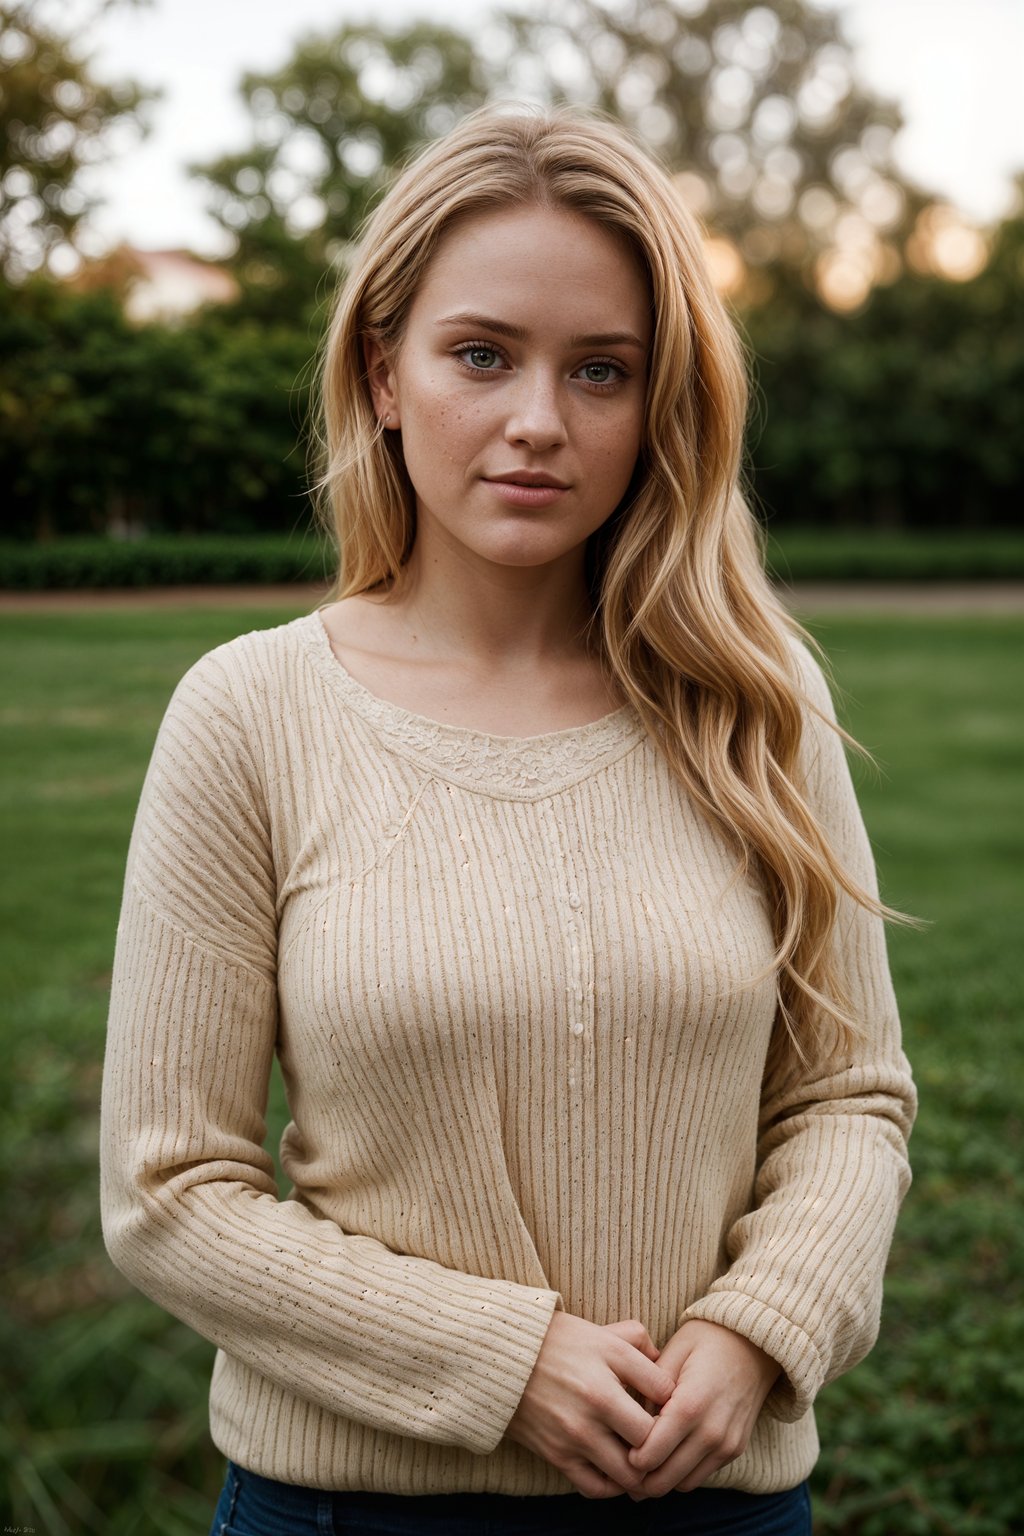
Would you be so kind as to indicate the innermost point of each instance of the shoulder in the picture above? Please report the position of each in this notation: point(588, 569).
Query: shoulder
point(247, 672)
point(229, 703)
point(811, 681)
point(822, 768)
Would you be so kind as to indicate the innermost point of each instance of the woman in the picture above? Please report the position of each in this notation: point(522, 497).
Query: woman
point(534, 856)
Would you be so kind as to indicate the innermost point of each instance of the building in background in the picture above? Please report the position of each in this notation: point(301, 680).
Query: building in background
point(157, 285)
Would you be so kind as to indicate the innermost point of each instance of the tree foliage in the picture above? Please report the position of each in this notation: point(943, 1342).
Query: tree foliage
point(907, 414)
point(904, 414)
point(329, 126)
point(102, 423)
point(55, 119)
point(754, 102)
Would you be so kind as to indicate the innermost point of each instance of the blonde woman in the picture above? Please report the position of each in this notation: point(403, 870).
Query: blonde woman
point(533, 855)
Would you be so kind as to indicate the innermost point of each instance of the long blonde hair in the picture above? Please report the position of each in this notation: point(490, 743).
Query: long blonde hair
point(688, 624)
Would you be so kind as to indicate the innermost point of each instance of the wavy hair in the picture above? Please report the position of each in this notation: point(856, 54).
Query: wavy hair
point(686, 621)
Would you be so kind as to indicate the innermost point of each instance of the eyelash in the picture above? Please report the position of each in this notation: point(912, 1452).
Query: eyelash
point(593, 362)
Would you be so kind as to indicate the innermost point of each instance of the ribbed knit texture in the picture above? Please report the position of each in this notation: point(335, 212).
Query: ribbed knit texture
point(508, 983)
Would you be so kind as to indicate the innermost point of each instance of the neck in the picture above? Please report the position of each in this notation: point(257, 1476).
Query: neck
point(458, 607)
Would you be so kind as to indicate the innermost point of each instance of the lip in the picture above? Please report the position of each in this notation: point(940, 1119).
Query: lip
point(527, 487)
point(516, 494)
point(533, 477)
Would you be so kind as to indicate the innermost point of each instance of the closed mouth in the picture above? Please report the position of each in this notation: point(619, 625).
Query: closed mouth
point(529, 478)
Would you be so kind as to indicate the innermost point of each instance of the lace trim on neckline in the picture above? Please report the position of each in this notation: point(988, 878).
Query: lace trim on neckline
point(523, 765)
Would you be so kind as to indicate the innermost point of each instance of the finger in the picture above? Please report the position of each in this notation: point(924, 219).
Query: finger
point(677, 1470)
point(675, 1356)
point(703, 1451)
point(634, 1332)
point(669, 1430)
point(624, 1416)
point(635, 1370)
point(702, 1471)
point(607, 1454)
point(590, 1481)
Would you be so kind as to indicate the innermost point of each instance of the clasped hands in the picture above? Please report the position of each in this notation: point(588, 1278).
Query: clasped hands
point(699, 1400)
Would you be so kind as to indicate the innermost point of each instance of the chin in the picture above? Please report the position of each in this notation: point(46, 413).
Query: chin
point(524, 559)
point(526, 543)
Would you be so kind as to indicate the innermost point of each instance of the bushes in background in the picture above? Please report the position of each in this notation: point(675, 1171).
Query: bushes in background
point(162, 560)
point(168, 560)
point(906, 416)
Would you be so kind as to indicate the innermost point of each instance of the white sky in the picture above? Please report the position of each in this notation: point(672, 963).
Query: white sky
point(954, 66)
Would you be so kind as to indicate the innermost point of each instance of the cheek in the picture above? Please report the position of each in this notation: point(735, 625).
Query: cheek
point(614, 446)
point(441, 431)
point(446, 424)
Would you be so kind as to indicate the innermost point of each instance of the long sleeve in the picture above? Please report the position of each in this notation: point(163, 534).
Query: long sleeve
point(806, 1263)
point(190, 1209)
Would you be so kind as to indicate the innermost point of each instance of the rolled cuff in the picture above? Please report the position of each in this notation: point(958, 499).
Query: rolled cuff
point(803, 1370)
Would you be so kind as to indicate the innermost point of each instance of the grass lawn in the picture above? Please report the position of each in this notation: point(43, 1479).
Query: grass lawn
point(104, 1425)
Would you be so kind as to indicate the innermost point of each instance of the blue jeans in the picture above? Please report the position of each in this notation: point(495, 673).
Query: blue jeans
point(251, 1505)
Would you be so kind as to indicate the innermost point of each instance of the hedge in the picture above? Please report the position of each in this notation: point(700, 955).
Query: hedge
point(161, 561)
point(816, 555)
point(164, 560)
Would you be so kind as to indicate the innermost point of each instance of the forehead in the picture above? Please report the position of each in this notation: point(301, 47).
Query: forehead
point(548, 265)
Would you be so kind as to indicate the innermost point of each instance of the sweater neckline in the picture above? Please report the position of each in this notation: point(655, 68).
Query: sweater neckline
point(522, 767)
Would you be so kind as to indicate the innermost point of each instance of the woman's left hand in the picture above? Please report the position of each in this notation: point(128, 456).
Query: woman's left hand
point(722, 1381)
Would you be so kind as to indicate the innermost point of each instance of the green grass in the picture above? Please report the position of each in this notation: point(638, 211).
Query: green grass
point(104, 1423)
point(927, 1436)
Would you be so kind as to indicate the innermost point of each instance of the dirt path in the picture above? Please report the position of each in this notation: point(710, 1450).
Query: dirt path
point(821, 597)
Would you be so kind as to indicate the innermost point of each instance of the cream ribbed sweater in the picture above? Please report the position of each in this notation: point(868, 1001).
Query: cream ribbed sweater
point(505, 981)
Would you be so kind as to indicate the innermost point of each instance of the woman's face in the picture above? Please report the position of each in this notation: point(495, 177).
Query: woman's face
point(519, 385)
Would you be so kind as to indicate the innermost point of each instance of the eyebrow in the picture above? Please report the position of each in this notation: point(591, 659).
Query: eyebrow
point(519, 333)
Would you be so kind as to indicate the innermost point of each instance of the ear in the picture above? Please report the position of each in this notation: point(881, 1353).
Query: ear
point(380, 376)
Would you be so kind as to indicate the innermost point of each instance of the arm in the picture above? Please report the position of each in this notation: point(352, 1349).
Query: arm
point(801, 1299)
point(805, 1278)
point(189, 1205)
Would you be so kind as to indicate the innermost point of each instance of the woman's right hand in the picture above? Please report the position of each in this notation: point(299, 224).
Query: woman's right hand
point(576, 1411)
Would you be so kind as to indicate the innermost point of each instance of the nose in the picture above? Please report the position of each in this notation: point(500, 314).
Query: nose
point(536, 417)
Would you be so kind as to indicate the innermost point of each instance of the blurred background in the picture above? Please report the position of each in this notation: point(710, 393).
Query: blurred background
point(180, 187)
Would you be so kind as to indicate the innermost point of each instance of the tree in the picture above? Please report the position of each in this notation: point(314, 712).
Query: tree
point(754, 103)
point(190, 428)
point(54, 120)
point(328, 127)
point(905, 415)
